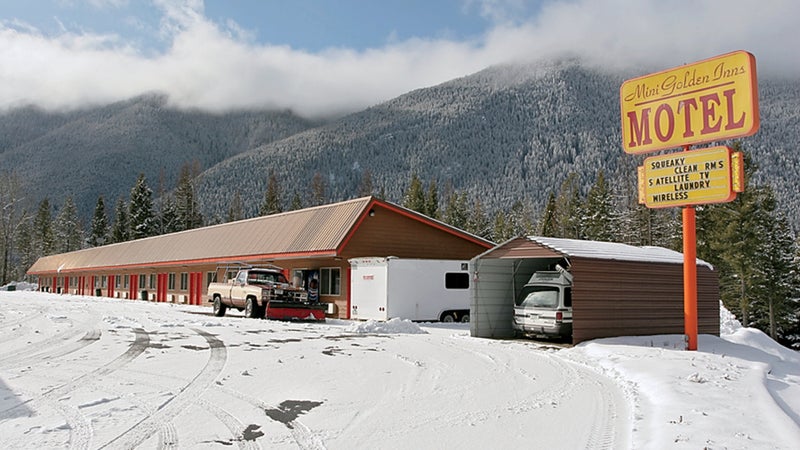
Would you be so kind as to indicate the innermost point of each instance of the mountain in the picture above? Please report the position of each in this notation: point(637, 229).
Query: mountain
point(504, 134)
point(101, 150)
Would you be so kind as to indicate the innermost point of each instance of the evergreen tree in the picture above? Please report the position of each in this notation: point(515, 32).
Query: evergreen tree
point(120, 230)
point(318, 188)
point(297, 202)
point(365, 188)
point(478, 222)
point(570, 209)
point(432, 201)
point(43, 235)
point(455, 211)
point(236, 208)
point(141, 220)
point(503, 228)
point(186, 207)
point(67, 229)
point(599, 213)
point(414, 197)
point(272, 197)
point(169, 221)
point(100, 229)
point(549, 225)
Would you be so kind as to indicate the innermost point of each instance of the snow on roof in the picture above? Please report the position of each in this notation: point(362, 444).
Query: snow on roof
point(612, 250)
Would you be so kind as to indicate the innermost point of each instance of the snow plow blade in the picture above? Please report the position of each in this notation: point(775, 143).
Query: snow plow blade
point(296, 312)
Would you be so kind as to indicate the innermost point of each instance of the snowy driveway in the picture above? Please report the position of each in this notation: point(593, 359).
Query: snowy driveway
point(79, 372)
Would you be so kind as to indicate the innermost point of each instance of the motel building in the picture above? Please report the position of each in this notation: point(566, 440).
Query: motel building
point(312, 243)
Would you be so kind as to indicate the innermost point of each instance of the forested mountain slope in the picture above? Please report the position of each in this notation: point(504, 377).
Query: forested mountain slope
point(506, 134)
point(101, 150)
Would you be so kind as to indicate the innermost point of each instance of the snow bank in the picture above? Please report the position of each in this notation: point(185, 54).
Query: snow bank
point(20, 286)
point(393, 326)
point(727, 321)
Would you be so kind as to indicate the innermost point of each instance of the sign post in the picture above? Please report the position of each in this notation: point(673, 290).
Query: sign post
point(707, 101)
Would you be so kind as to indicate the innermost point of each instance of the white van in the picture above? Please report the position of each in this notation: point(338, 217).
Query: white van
point(544, 305)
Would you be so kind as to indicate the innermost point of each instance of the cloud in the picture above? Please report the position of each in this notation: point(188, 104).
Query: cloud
point(219, 66)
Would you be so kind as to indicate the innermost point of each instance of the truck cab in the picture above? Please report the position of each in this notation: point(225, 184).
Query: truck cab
point(543, 308)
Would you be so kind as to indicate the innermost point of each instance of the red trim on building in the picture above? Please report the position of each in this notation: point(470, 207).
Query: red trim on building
point(111, 285)
point(243, 259)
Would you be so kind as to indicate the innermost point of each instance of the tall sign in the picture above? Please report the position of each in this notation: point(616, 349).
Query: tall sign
point(707, 101)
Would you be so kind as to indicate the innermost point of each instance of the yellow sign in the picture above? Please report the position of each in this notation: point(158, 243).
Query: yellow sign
point(689, 178)
point(710, 100)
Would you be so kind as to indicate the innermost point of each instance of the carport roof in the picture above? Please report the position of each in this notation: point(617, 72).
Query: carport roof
point(522, 247)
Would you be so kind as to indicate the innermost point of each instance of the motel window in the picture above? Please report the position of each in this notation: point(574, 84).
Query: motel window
point(329, 281)
point(184, 281)
point(117, 281)
point(126, 281)
point(210, 276)
point(104, 281)
point(153, 279)
point(171, 281)
point(142, 279)
point(456, 280)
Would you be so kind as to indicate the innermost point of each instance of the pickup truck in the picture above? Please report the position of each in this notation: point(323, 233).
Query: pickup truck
point(264, 293)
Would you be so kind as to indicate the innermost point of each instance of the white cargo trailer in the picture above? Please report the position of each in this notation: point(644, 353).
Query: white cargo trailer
point(415, 289)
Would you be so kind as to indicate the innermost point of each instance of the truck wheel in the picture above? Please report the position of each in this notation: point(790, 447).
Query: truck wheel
point(465, 318)
point(219, 307)
point(448, 317)
point(250, 308)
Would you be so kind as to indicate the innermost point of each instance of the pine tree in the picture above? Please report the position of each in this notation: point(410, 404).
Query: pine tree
point(99, 234)
point(141, 220)
point(599, 216)
point(43, 236)
point(478, 222)
point(414, 198)
point(503, 228)
point(297, 202)
point(318, 188)
point(236, 208)
point(272, 197)
point(169, 220)
point(365, 188)
point(186, 207)
point(455, 211)
point(570, 209)
point(120, 230)
point(549, 225)
point(67, 228)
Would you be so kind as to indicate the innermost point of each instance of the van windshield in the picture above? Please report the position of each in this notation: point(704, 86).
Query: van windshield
point(538, 297)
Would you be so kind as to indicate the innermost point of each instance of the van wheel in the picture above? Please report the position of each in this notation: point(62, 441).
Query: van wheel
point(219, 307)
point(448, 317)
point(250, 309)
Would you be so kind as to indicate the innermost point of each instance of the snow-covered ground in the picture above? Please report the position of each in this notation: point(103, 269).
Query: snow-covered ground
point(86, 372)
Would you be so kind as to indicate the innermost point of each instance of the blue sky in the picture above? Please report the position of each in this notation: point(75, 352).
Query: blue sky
point(322, 57)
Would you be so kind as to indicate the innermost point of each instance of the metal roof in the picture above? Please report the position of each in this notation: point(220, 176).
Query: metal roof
point(548, 247)
point(611, 250)
point(316, 231)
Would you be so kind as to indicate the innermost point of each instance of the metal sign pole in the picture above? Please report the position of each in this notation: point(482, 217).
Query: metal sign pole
point(690, 275)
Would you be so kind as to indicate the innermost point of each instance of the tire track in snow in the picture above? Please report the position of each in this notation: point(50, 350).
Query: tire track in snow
point(80, 427)
point(603, 433)
point(302, 435)
point(234, 425)
point(148, 426)
point(55, 346)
